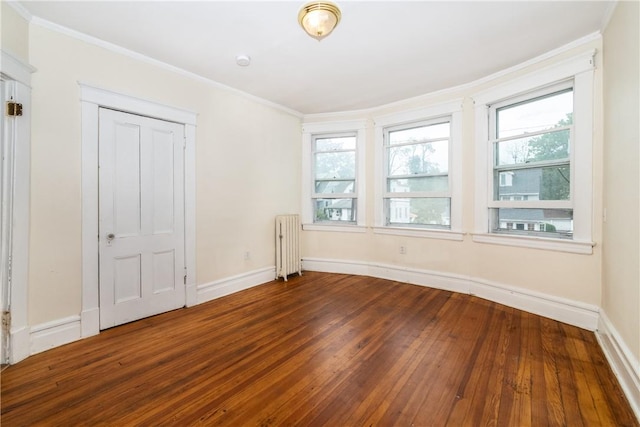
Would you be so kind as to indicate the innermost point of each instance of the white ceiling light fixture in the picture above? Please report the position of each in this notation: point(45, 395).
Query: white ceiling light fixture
point(319, 18)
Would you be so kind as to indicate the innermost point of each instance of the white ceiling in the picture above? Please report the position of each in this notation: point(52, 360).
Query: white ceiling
point(381, 52)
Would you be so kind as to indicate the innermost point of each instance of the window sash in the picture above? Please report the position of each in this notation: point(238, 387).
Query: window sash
point(533, 165)
point(388, 196)
point(547, 227)
point(528, 163)
point(352, 195)
point(493, 146)
point(387, 147)
point(497, 185)
point(523, 98)
point(408, 209)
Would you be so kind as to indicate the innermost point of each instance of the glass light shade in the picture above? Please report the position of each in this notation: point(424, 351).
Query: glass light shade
point(319, 19)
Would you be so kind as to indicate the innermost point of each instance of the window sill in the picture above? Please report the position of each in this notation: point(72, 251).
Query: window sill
point(346, 228)
point(425, 233)
point(559, 245)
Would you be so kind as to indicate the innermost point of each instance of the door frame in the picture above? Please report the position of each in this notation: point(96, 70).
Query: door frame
point(92, 99)
point(17, 76)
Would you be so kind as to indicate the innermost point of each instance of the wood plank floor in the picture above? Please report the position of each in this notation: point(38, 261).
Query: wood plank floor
point(324, 350)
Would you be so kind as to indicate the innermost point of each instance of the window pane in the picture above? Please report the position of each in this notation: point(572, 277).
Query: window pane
point(334, 210)
point(339, 143)
point(422, 158)
point(550, 183)
point(420, 133)
point(336, 165)
point(555, 222)
point(331, 187)
point(433, 212)
point(549, 146)
point(542, 113)
point(427, 183)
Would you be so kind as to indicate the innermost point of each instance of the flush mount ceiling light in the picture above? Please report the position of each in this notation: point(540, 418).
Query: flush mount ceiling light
point(319, 18)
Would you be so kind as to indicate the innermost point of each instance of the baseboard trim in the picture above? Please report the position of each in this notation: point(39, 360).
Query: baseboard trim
point(58, 332)
point(54, 334)
point(624, 365)
point(561, 309)
point(20, 345)
point(191, 293)
point(90, 322)
point(219, 288)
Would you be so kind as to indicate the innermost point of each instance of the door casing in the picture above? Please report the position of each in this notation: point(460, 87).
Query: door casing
point(17, 77)
point(92, 98)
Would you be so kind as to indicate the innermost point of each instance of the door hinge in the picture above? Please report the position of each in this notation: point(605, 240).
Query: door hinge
point(14, 109)
point(185, 279)
point(6, 322)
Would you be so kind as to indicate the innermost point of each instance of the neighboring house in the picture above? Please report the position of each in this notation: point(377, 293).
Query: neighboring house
point(526, 184)
point(400, 209)
point(335, 209)
point(537, 220)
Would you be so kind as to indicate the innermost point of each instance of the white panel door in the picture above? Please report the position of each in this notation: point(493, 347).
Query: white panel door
point(141, 224)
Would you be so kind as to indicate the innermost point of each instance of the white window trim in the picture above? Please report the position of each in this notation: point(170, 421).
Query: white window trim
point(452, 109)
point(581, 69)
point(309, 130)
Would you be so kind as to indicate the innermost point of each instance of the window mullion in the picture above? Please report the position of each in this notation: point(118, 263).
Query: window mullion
point(420, 142)
point(533, 165)
point(418, 175)
point(333, 151)
point(417, 195)
point(531, 204)
point(333, 195)
point(335, 179)
point(531, 134)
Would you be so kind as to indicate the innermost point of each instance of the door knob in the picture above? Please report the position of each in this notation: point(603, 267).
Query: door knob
point(111, 236)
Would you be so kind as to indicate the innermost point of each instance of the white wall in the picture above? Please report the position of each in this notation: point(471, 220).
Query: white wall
point(247, 166)
point(621, 245)
point(14, 33)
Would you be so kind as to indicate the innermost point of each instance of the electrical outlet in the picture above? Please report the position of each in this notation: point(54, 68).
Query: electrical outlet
point(247, 256)
point(403, 250)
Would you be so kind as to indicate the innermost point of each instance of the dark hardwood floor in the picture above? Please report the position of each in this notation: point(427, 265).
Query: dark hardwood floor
point(324, 350)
